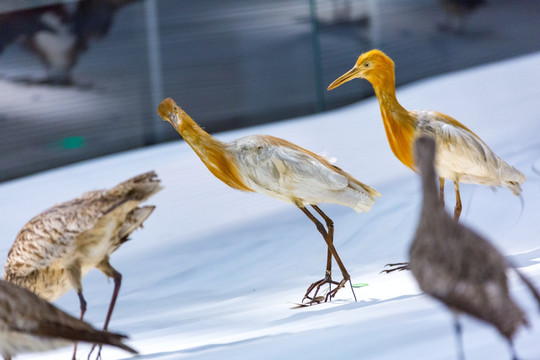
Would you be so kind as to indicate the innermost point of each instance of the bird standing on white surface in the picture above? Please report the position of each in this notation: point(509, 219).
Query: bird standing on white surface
point(55, 249)
point(462, 156)
point(282, 170)
point(455, 265)
point(28, 324)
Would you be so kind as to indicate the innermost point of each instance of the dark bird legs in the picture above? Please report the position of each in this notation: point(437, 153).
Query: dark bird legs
point(106, 268)
point(328, 236)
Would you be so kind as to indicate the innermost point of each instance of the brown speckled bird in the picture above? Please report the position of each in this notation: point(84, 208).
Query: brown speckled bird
point(55, 249)
point(29, 323)
point(457, 266)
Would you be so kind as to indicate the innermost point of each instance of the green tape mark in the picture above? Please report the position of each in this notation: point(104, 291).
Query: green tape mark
point(359, 285)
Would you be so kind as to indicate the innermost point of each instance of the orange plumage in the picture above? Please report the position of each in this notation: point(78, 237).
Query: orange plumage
point(209, 149)
point(461, 155)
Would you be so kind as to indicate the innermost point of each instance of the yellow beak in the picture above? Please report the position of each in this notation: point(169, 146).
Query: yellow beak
point(349, 75)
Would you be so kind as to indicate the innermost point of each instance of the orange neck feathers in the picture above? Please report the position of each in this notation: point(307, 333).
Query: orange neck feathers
point(213, 153)
point(400, 127)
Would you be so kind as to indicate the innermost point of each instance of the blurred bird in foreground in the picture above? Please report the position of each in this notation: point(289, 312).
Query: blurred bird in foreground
point(55, 249)
point(461, 155)
point(282, 170)
point(457, 12)
point(29, 323)
point(457, 266)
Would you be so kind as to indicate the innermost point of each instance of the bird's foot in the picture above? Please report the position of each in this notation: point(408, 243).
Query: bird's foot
point(317, 285)
point(396, 267)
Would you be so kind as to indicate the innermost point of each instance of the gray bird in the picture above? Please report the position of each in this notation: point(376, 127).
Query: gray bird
point(457, 266)
point(28, 323)
point(55, 249)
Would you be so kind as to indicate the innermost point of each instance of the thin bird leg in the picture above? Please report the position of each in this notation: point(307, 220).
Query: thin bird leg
point(330, 244)
point(327, 278)
point(74, 276)
point(459, 337)
point(512, 349)
point(110, 272)
point(457, 209)
point(441, 190)
point(330, 227)
point(330, 235)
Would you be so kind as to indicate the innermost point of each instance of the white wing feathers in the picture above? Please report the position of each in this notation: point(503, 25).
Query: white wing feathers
point(275, 167)
point(290, 173)
point(463, 156)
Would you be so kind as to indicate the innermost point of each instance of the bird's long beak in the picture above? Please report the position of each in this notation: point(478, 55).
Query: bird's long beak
point(167, 112)
point(173, 119)
point(349, 75)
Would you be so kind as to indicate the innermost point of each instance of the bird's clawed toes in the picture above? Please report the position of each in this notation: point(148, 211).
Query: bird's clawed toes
point(396, 267)
point(316, 287)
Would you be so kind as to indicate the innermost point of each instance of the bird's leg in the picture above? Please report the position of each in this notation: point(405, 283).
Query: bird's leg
point(316, 285)
point(105, 267)
point(330, 235)
point(457, 209)
point(459, 337)
point(334, 253)
point(512, 349)
point(441, 190)
point(74, 276)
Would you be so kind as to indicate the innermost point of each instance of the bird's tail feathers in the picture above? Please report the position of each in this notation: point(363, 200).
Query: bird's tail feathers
point(53, 329)
point(140, 187)
point(512, 179)
point(135, 219)
point(513, 186)
point(361, 186)
point(528, 283)
point(531, 287)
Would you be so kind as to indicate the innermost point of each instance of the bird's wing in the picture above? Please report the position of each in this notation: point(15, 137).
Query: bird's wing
point(464, 261)
point(274, 163)
point(51, 235)
point(459, 150)
point(471, 278)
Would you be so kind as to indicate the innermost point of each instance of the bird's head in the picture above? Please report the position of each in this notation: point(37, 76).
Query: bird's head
point(169, 111)
point(374, 66)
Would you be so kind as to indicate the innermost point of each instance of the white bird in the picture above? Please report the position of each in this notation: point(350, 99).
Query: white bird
point(462, 156)
point(282, 170)
point(28, 324)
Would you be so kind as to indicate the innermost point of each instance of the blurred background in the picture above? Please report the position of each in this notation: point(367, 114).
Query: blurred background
point(82, 79)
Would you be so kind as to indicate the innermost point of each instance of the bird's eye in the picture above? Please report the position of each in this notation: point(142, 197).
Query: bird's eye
point(366, 64)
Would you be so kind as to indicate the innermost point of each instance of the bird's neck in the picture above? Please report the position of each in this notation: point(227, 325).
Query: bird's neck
point(398, 123)
point(215, 154)
point(431, 201)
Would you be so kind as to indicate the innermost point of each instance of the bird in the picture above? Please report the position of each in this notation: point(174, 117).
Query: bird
point(56, 248)
point(277, 168)
point(462, 156)
point(29, 323)
point(457, 266)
